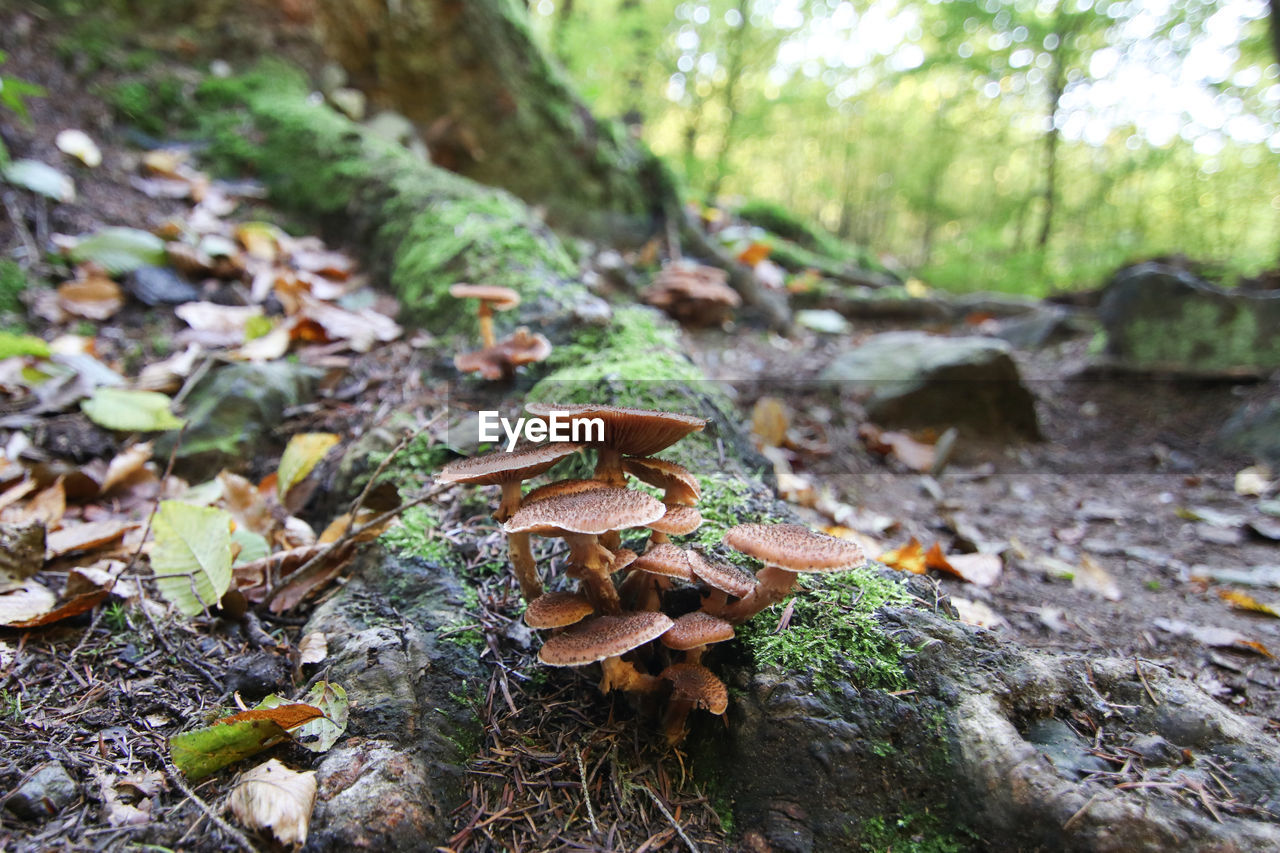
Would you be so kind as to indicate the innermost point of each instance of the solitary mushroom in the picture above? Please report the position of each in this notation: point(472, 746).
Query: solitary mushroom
point(786, 550)
point(579, 519)
point(607, 638)
point(509, 470)
point(491, 298)
point(692, 686)
point(693, 294)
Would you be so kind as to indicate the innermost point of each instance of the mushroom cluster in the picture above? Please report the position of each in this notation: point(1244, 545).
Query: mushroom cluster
point(624, 601)
point(693, 294)
point(498, 359)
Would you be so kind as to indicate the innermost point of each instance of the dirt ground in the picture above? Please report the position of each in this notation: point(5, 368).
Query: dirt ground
point(1121, 458)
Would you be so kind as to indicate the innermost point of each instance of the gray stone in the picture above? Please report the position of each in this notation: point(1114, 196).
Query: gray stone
point(1160, 316)
point(1041, 327)
point(1254, 429)
point(823, 320)
point(160, 286)
point(913, 379)
point(48, 791)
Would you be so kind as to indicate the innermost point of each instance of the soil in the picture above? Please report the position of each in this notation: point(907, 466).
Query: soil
point(1120, 459)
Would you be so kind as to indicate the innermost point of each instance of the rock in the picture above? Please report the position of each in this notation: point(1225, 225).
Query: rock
point(823, 320)
point(233, 408)
point(880, 303)
point(48, 791)
point(977, 744)
point(255, 675)
point(1040, 327)
point(1000, 305)
point(913, 379)
point(1160, 316)
point(160, 286)
point(1254, 429)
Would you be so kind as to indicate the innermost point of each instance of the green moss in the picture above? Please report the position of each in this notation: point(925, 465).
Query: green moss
point(153, 104)
point(909, 833)
point(1204, 334)
point(833, 632)
point(801, 244)
point(416, 535)
point(13, 281)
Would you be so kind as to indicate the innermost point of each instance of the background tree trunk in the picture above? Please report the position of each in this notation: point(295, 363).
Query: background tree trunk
point(493, 107)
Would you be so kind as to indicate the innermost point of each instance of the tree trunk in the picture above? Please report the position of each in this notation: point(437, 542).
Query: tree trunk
point(737, 49)
point(495, 109)
point(1056, 85)
point(1275, 28)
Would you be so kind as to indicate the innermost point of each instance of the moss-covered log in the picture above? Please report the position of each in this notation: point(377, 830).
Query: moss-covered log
point(875, 710)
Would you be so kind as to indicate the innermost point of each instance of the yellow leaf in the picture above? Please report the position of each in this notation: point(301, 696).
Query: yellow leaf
point(908, 558)
point(301, 455)
point(1244, 601)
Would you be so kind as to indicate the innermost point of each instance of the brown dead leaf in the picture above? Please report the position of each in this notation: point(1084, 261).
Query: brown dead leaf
point(1092, 577)
point(260, 240)
point(330, 264)
point(908, 558)
point(754, 253)
point(94, 297)
point(126, 466)
point(82, 603)
point(28, 601)
point(17, 492)
point(360, 329)
point(770, 420)
point(271, 796)
point(218, 325)
point(977, 613)
point(313, 648)
point(338, 527)
point(100, 575)
point(85, 537)
point(916, 455)
point(285, 716)
point(247, 504)
point(977, 569)
point(1223, 638)
point(47, 506)
point(1245, 601)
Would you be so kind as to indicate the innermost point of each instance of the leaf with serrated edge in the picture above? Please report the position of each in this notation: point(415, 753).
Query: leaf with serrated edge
point(191, 557)
point(271, 796)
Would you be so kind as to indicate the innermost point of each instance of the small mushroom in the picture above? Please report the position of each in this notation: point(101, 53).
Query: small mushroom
point(677, 482)
point(692, 686)
point(786, 550)
point(501, 360)
point(607, 638)
point(693, 632)
point(509, 470)
point(678, 521)
point(562, 487)
point(650, 573)
point(693, 294)
point(557, 610)
point(492, 298)
point(580, 519)
point(724, 579)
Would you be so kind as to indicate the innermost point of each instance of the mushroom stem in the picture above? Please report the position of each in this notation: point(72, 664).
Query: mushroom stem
point(673, 722)
point(716, 603)
point(620, 674)
point(520, 550)
point(486, 324)
point(510, 500)
point(594, 562)
point(609, 467)
point(657, 537)
point(775, 584)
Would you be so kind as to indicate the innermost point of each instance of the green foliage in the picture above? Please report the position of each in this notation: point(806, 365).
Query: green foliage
point(909, 833)
point(833, 633)
point(13, 281)
point(14, 93)
point(153, 105)
point(416, 535)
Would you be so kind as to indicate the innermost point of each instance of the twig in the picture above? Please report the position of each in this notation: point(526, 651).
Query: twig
point(693, 848)
point(175, 776)
point(586, 792)
point(1080, 812)
point(1145, 686)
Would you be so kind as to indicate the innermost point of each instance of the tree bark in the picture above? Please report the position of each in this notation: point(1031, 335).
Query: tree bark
point(1056, 86)
point(493, 107)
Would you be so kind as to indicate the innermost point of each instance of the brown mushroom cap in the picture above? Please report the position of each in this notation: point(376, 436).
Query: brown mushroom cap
point(501, 298)
point(699, 685)
point(623, 557)
point(524, 347)
point(665, 559)
point(696, 629)
point(794, 547)
point(488, 362)
point(678, 520)
point(603, 637)
point(595, 512)
point(557, 609)
point(678, 482)
point(722, 576)
point(632, 432)
point(502, 467)
point(563, 487)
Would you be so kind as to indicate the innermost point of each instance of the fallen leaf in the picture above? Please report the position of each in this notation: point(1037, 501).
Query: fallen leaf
point(93, 298)
point(977, 613)
point(338, 527)
point(298, 588)
point(301, 455)
point(22, 549)
point(166, 376)
point(39, 178)
point(286, 716)
point(1267, 528)
point(770, 420)
point(260, 240)
point(78, 144)
point(82, 603)
point(320, 734)
point(1253, 481)
point(1092, 577)
point(313, 648)
point(246, 503)
point(271, 796)
point(218, 325)
point(916, 455)
point(360, 329)
point(1244, 601)
point(120, 250)
point(908, 558)
point(1223, 638)
point(89, 536)
point(191, 557)
point(12, 344)
point(977, 569)
point(126, 465)
point(206, 750)
point(1264, 576)
point(28, 601)
point(47, 505)
point(130, 411)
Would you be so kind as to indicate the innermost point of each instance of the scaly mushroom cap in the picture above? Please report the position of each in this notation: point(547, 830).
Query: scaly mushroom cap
point(699, 685)
point(557, 609)
point(523, 347)
point(501, 298)
point(631, 432)
point(500, 467)
point(595, 512)
point(603, 637)
point(794, 547)
point(679, 484)
point(678, 520)
point(563, 487)
point(665, 559)
point(722, 576)
point(696, 629)
point(622, 558)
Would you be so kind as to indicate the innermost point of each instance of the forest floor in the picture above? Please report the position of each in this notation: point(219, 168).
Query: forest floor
point(1126, 480)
